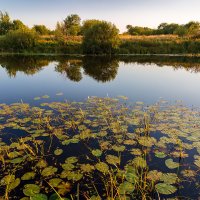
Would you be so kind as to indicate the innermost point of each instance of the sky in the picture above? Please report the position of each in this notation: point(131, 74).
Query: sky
point(120, 12)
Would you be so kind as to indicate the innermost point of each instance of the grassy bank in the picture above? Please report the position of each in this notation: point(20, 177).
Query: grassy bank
point(128, 45)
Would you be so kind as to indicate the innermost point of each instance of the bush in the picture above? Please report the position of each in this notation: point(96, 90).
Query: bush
point(20, 40)
point(101, 38)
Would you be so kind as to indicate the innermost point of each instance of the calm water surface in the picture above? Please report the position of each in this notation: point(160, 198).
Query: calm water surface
point(139, 78)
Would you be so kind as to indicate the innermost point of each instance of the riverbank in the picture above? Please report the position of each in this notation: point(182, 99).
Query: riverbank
point(128, 45)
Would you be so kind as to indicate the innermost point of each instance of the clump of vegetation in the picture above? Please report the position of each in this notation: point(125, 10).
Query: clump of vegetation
point(99, 149)
point(101, 38)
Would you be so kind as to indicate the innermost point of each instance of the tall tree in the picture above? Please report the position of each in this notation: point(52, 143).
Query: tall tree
point(5, 23)
point(72, 25)
point(41, 29)
point(102, 38)
point(18, 25)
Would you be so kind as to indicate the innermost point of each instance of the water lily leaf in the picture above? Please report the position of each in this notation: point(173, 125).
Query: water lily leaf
point(68, 166)
point(166, 189)
point(6, 180)
point(56, 197)
point(41, 164)
point(95, 198)
point(14, 184)
point(102, 167)
point(28, 176)
point(87, 168)
point(131, 177)
point(45, 97)
point(113, 160)
point(169, 178)
point(97, 152)
point(188, 173)
point(171, 164)
point(71, 160)
point(31, 189)
point(49, 171)
point(39, 197)
point(154, 175)
point(58, 152)
point(160, 154)
point(54, 182)
point(136, 152)
point(139, 162)
point(118, 148)
point(197, 162)
point(17, 160)
point(147, 141)
point(126, 188)
point(37, 98)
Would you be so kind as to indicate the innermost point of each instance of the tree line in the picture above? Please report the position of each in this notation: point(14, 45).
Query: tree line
point(97, 37)
point(190, 29)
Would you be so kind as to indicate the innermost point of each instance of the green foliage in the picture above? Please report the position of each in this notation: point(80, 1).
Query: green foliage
point(41, 29)
point(5, 23)
point(19, 25)
point(87, 24)
point(101, 38)
point(72, 24)
point(137, 30)
point(20, 40)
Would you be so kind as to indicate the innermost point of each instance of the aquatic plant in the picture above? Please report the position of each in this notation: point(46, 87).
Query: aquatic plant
point(102, 148)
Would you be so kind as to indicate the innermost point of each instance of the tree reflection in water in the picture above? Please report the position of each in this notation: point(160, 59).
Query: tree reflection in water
point(100, 68)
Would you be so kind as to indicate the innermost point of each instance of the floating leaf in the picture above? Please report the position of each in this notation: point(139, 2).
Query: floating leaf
point(126, 188)
point(97, 152)
point(87, 168)
point(166, 189)
point(58, 152)
point(102, 167)
point(55, 182)
point(139, 162)
point(45, 97)
point(49, 171)
point(114, 160)
point(39, 197)
point(28, 176)
point(171, 164)
point(31, 189)
point(160, 154)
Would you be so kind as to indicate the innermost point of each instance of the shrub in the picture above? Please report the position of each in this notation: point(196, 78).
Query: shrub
point(101, 38)
point(20, 40)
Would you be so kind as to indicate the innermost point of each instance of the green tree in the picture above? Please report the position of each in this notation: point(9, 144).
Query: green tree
point(193, 28)
point(5, 23)
point(87, 24)
point(165, 28)
point(41, 29)
point(18, 25)
point(137, 30)
point(72, 25)
point(102, 38)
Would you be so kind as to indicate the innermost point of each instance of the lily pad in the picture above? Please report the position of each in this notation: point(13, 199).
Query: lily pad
point(49, 171)
point(97, 152)
point(28, 176)
point(166, 189)
point(171, 164)
point(31, 189)
point(54, 182)
point(102, 167)
point(39, 197)
point(126, 188)
point(58, 152)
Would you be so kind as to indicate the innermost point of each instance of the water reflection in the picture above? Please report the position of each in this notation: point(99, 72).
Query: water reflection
point(101, 69)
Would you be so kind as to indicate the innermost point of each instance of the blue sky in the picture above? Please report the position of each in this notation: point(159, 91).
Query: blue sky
point(121, 12)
